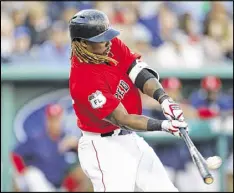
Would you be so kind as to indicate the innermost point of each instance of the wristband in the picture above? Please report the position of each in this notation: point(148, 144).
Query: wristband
point(161, 99)
point(160, 95)
point(154, 125)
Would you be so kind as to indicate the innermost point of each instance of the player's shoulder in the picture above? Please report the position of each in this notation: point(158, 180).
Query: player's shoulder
point(117, 44)
point(121, 49)
point(118, 41)
point(82, 70)
point(85, 72)
point(85, 77)
point(115, 40)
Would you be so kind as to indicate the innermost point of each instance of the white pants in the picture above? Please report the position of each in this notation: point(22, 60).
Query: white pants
point(122, 163)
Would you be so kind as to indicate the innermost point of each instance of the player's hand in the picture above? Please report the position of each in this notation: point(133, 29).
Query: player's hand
point(172, 110)
point(172, 126)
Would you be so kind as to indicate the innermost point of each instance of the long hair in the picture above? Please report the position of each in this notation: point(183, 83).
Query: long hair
point(84, 55)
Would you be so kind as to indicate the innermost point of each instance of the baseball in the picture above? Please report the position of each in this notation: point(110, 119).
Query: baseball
point(214, 162)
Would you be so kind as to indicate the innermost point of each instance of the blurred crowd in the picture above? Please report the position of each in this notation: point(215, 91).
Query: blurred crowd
point(187, 34)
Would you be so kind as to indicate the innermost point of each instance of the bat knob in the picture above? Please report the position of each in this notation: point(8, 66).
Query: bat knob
point(209, 180)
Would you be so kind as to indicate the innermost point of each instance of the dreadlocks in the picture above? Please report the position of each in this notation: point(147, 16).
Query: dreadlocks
point(85, 56)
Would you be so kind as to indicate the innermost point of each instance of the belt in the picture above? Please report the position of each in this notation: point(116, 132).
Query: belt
point(122, 132)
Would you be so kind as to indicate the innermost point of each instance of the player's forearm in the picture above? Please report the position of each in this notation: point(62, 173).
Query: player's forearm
point(135, 122)
point(142, 123)
point(151, 86)
point(154, 89)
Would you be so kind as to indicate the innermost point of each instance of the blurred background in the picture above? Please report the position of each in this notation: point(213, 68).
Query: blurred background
point(190, 44)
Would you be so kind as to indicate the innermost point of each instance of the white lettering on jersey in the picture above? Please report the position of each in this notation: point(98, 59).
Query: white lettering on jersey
point(121, 90)
point(97, 99)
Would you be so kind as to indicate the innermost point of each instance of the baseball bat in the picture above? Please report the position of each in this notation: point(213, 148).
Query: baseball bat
point(197, 158)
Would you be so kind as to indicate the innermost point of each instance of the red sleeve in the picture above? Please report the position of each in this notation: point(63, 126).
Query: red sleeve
point(18, 162)
point(123, 54)
point(96, 96)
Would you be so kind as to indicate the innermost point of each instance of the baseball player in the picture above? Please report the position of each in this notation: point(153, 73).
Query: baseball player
point(40, 161)
point(104, 83)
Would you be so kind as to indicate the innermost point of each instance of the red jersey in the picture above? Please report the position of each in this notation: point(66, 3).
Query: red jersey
point(97, 89)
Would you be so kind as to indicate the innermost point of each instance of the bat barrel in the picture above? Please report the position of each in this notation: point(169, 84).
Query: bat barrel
point(197, 158)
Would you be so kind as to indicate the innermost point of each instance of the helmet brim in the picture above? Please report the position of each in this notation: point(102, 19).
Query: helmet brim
point(105, 36)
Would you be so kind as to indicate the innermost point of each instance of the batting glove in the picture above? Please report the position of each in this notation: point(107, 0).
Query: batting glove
point(172, 126)
point(172, 110)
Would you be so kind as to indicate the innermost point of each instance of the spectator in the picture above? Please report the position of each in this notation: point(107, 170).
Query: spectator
point(38, 23)
point(153, 23)
point(68, 13)
point(7, 38)
point(125, 12)
point(213, 104)
point(19, 17)
point(22, 41)
point(67, 8)
point(182, 45)
point(179, 53)
point(10, 6)
point(218, 32)
point(106, 7)
point(41, 162)
point(209, 100)
point(126, 21)
point(189, 27)
point(173, 49)
point(142, 44)
point(149, 8)
point(194, 8)
point(56, 49)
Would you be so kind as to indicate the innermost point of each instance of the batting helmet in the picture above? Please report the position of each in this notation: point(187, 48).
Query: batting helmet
point(212, 83)
point(91, 25)
point(171, 83)
point(53, 110)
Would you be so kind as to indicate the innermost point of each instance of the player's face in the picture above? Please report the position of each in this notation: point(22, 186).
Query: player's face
point(54, 124)
point(102, 48)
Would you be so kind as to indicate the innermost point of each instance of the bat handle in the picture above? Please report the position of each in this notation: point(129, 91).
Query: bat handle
point(186, 137)
point(183, 131)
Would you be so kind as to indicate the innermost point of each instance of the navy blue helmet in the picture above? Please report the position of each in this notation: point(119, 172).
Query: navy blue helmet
point(91, 25)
